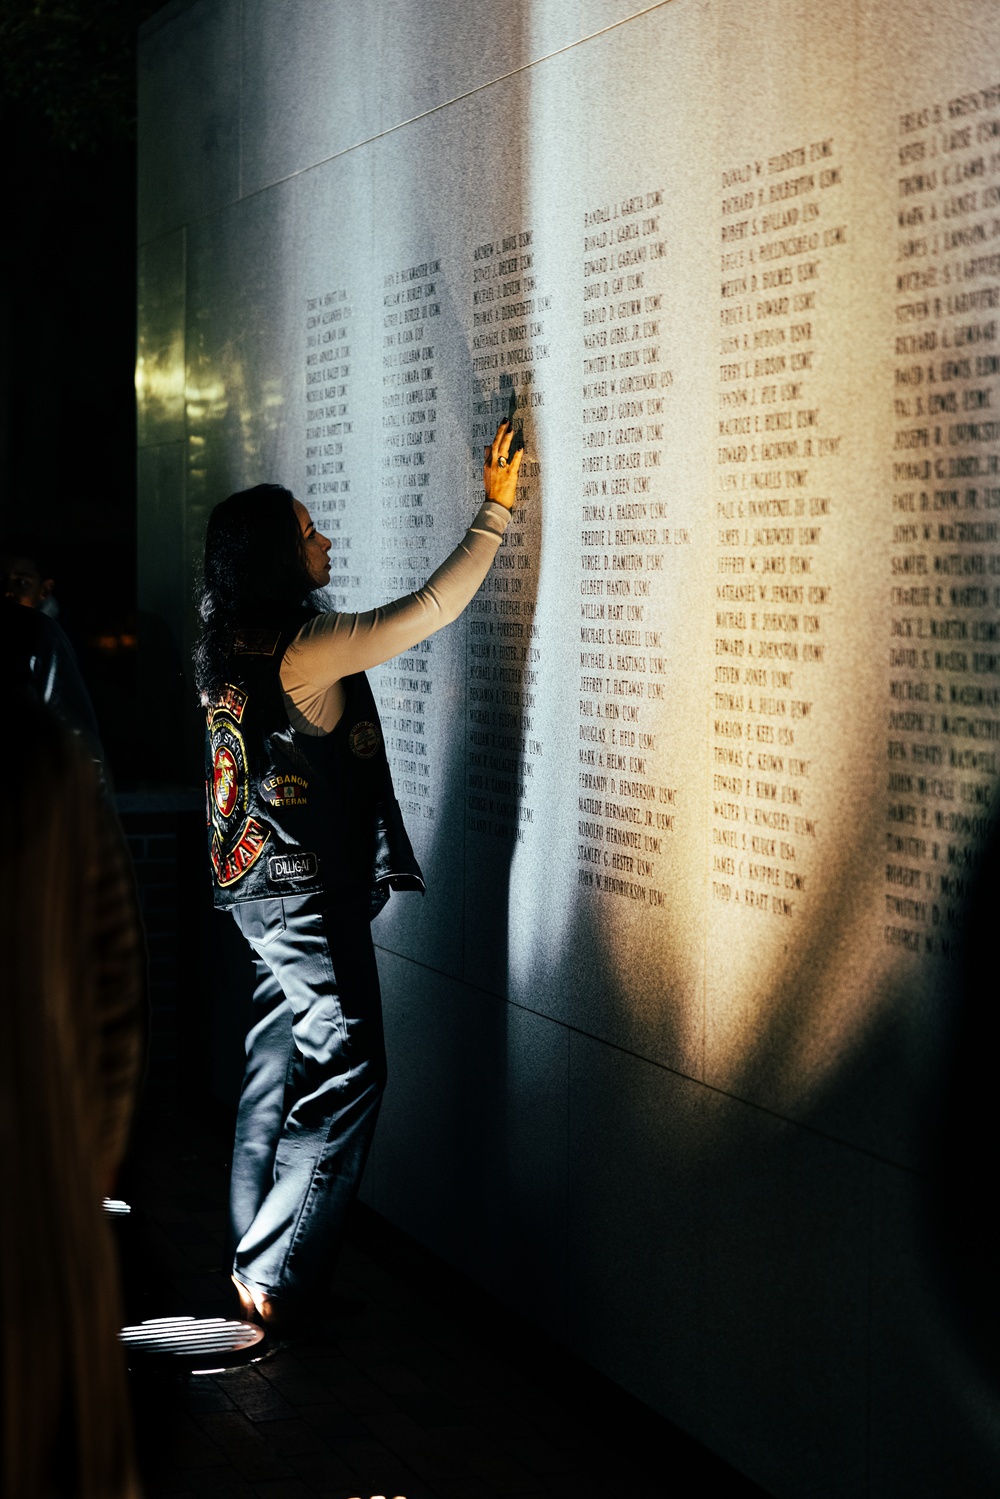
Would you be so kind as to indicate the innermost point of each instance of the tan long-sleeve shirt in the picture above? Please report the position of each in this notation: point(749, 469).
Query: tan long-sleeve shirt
point(333, 646)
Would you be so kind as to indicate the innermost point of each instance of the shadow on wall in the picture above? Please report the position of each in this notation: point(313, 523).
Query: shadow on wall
point(467, 1202)
point(962, 1141)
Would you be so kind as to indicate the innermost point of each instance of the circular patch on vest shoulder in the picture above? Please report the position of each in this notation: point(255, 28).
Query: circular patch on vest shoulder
point(365, 739)
point(238, 840)
point(229, 785)
point(225, 780)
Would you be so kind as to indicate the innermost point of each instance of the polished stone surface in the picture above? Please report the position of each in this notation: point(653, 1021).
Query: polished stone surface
point(189, 132)
point(160, 341)
point(307, 87)
point(700, 778)
point(481, 1177)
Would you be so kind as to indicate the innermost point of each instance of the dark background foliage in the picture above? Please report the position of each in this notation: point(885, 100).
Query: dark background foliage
point(68, 66)
point(67, 322)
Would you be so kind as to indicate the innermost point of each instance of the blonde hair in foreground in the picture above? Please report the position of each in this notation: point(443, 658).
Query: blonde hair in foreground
point(69, 993)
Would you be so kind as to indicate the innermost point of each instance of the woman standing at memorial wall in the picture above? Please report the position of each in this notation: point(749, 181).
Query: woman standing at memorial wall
point(305, 841)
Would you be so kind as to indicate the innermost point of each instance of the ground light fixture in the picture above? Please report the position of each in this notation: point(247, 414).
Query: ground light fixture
point(200, 1345)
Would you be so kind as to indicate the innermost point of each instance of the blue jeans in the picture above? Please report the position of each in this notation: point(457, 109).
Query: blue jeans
point(311, 1092)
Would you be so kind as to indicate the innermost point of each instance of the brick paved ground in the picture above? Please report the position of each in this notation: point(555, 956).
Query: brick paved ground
point(434, 1391)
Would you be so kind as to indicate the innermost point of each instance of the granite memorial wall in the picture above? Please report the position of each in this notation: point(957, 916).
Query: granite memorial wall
point(700, 779)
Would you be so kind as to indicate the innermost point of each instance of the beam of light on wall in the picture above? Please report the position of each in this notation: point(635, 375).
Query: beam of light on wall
point(159, 379)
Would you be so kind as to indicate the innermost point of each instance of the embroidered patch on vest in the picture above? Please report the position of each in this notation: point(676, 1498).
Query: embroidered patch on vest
point(229, 772)
point(298, 866)
point(256, 642)
point(232, 700)
point(365, 739)
point(284, 791)
point(242, 854)
point(238, 839)
point(225, 781)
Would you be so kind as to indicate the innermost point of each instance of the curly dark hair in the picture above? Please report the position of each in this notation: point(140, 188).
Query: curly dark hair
point(255, 573)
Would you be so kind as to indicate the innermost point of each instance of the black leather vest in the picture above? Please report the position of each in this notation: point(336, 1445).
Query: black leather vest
point(292, 813)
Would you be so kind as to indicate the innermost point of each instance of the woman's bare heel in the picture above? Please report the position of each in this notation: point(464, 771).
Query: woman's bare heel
point(251, 1311)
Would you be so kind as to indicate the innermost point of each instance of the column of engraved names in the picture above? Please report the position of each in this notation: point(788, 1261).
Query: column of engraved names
point(779, 239)
point(409, 425)
point(625, 814)
point(328, 424)
point(510, 351)
point(944, 651)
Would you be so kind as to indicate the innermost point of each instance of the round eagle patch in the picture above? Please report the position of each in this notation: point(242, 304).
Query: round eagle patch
point(229, 773)
point(225, 783)
point(238, 840)
point(365, 739)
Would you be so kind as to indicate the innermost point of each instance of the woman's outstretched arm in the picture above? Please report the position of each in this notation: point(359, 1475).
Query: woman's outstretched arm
point(333, 646)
